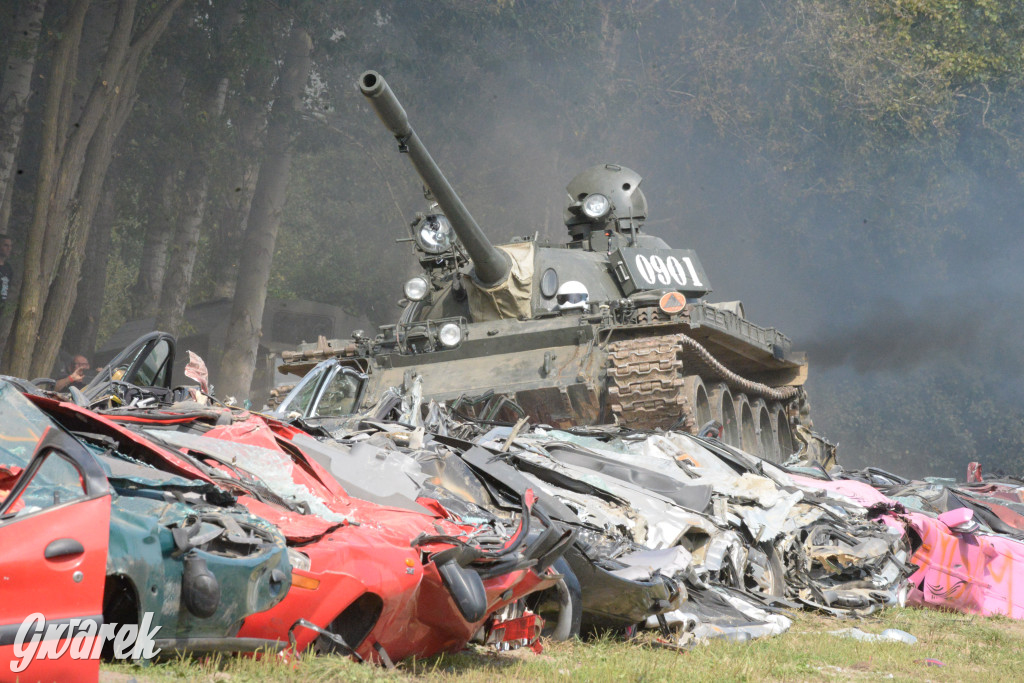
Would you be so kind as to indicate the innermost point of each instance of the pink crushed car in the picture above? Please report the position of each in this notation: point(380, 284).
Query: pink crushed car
point(961, 566)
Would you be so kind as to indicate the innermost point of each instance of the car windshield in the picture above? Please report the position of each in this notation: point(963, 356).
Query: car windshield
point(339, 396)
point(55, 480)
point(22, 426)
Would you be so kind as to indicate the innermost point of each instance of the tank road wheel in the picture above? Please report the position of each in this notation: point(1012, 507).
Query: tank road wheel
point(769, 443)
point(747, 426)
point(723, 408)
point(782, 430)
point(700, 403)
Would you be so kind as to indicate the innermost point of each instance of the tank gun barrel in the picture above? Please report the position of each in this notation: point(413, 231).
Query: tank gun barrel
point(490, 263)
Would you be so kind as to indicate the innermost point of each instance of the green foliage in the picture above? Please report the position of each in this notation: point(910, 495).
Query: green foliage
point(845, 97)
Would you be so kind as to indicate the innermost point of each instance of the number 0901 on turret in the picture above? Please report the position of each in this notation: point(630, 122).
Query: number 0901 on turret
point(643, 269)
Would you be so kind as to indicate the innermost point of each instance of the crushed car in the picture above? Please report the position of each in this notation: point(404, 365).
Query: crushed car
point(375, 582)
point(672, 528)
point(178, 555)
point(969, 555)
point(54, 516)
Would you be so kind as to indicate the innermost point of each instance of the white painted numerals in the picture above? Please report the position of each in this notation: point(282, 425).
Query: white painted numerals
point(655, 270)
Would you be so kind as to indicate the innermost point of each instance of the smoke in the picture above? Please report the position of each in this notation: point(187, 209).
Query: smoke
point(895, 337)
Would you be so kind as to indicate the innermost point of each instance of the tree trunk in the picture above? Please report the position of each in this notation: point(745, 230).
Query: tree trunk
point(14, 94)
point(153, 264)
point(84, 325)
point(18, 354)
point(115, 30)
point(174, 294)
point(232, 219)
point(65, 287)
point(182, 253)
point(161, 217)
point(67, 210)
point(235, 201)
point(244, 327)
point(206, 129)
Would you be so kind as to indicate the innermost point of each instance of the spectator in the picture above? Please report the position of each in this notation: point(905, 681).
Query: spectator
point(76, 374)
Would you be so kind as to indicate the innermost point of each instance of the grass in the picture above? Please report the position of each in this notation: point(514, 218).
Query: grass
point(970, 648)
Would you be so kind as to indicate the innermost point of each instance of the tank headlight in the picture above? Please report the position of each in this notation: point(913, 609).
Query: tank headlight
point(415, 288)
point(450, 334)
point(434, 233)
point(596, 206)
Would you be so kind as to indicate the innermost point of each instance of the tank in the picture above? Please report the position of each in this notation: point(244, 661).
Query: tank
point(612, 326)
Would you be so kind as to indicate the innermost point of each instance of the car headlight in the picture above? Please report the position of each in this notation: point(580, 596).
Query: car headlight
point(299, 560)
point(450, 334)
point(434, 234)
point(415, 288)
point(596, 206)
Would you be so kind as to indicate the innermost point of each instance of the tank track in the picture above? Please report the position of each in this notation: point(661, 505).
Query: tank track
point(645, 381)
point(645, 384)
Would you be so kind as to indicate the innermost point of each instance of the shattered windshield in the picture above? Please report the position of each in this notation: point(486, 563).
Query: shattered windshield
point(339, 396)
point(22, 426)
point(55, 481)
point(272, 468)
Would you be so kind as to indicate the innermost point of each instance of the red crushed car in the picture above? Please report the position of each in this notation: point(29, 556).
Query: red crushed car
point(377, 582)
point(54, 524)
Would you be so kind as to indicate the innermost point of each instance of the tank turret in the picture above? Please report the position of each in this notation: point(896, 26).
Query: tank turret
point(606, 197)
point(490, 265)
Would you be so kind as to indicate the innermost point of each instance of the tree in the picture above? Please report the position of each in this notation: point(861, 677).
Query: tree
point(159, 208)
point(14, 95)
point(244, 327)
point(74, 159)
point(84, 323)
point(205, 130)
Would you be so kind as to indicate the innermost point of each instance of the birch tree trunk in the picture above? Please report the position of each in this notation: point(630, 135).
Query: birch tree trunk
point(161, 217)
point(244, 327)
point(83, 326)
point(235, 205)
point(61, 221)
point(65, 286)
point(185, 245)
point(14, 94)
point(153, 265)
point(34, 281)
point(232, 218)
point(206, 133)
point(131, 58)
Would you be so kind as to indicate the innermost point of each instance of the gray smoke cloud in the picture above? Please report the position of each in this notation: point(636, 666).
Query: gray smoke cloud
point(895, 336)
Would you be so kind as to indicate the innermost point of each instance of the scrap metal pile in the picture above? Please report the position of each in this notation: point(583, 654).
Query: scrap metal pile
point(411, 531)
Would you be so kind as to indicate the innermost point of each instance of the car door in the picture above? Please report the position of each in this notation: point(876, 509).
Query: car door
point(54, 531)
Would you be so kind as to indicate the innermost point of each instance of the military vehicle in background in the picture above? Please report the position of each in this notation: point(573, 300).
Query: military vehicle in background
point(612, 326)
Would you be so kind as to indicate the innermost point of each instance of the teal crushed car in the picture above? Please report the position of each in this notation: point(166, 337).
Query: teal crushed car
point(179, 549)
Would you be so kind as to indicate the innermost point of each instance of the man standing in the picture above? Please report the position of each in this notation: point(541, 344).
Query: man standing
point(6, 272)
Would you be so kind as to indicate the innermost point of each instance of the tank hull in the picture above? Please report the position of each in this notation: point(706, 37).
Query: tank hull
point(584, 369)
